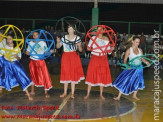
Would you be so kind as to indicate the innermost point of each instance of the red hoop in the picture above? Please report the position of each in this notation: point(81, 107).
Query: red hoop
point(110, 33)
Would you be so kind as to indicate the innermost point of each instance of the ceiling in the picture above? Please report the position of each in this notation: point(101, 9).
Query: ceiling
point(107, 1)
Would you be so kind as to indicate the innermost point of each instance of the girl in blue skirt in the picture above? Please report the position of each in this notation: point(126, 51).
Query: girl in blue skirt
point(13, 73)
point(2, 44)
point(1, 64)
point(131, 80)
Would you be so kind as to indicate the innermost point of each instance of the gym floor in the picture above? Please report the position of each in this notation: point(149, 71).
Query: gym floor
point(92, 109)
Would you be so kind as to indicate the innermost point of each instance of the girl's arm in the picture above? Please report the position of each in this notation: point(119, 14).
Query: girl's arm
point(144, 61)
point(88, 49)
point(89, 44)
point(28, 50)
point(17, 57)
point(109, 48)
point(79, 46)
point(127, 53)
point(27, 53)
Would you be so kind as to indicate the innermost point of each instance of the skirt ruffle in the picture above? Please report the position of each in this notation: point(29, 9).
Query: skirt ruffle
point(13, 74)
point(71, 68)
point(129, 80)
point(39, 74)
point(98, 72)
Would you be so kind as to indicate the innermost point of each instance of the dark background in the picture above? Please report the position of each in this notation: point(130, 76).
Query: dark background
point(83, 11)
point(56, 10)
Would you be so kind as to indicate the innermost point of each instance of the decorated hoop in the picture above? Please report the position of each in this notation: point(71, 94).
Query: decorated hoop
point(78, 26)
point(43, 36)
point(18, 40)
point(103, 30)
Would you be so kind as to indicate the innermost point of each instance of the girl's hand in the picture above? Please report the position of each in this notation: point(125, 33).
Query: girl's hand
point(112, 48)
point(15, 55)
point(27, 53)
point(52, 51)
point(129, 68)
point(147, 63)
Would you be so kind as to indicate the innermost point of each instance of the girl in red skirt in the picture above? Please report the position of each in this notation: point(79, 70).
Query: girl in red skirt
point(98, 72)
point(38, 70)
point(71, 67)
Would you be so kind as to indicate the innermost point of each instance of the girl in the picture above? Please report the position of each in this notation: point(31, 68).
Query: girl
point(13, 73)
point(2, 44)
point(131, 80)
point(71, 67)
point(98, 72)
point(38, 70)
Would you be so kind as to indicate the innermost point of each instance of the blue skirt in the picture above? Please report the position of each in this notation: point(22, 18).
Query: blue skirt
point(1, 65)
point(13, 74)
point(130, 80)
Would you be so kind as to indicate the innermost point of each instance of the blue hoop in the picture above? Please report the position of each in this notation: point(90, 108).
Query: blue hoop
point(50, 44)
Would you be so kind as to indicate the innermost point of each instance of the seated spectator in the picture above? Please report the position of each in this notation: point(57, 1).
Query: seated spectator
point(23, 31)
point(118, 57)
point(122, 46)
point(142, 42)
point(149, 41)
point(118, 39)
point(46, 28)
point(124, 37)
point(161, 45)
point(161, 59)
point(52, 31)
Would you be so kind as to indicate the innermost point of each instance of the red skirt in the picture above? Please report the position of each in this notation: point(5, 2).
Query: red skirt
point(98, 72)
point(71, 68)
point(39, 74)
